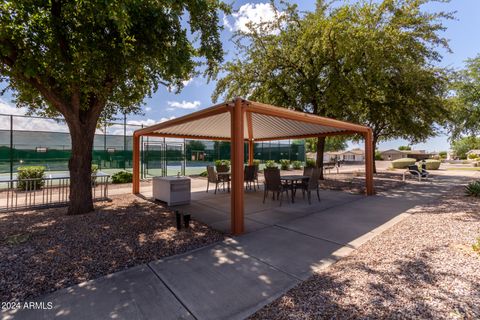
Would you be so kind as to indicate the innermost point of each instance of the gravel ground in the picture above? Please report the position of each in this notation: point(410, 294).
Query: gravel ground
point(422, 268)
point(349, 182)
point(45, 250)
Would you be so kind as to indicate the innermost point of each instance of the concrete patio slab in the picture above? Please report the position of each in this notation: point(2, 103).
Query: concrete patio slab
point(250, 225)
point(221, 282)
point(280, 248)
point(345, 223)
point(136, 293)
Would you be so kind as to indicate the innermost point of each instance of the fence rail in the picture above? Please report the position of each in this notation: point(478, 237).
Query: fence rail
point(23, 194)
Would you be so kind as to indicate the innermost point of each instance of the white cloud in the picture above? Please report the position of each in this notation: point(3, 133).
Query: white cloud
point(118, 129)
point(183, 105)
point(254, 13)
point(187, 82)
point(32, 124)
point(148, 109)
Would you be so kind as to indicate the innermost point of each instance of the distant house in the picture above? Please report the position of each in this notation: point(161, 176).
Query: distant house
point(475, 152)
point(394, 154)
point(353, 155)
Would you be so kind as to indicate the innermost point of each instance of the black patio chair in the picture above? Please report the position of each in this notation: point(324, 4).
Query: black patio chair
point(274, 184)
point(311, 185)
point(213, 177)
point(249, 177)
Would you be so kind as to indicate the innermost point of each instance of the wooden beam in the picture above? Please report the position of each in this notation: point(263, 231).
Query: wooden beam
point(369, 159)
point(205, 113)
point(136, 165)
point(168, 135)
point(310, 135)
point(251, 150)
point(248, 116)
point(237, 154)
point(273, 111)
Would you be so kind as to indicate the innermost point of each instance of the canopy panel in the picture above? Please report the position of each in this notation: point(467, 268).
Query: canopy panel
point(261, 122)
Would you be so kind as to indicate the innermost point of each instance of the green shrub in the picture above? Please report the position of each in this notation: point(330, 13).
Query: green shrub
point(222, 165)
point(297, 165)
point(472, 156)
point(284, 164)
point(270, 164)
point(433, 164)
point(473, 189)
point(122, 177)
point(403, 163)
point(443, 154)
point(476, 246)
point(30, 172)
point(204, 174)
point(378, 155)
point(256, 163)
point(310, 163)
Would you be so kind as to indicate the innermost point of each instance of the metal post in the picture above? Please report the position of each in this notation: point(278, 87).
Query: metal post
point(184, 169)
point(124, 141)
point(142, 156)
point(11, 148)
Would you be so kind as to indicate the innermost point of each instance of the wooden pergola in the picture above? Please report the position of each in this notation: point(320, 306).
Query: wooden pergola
point(241, 121)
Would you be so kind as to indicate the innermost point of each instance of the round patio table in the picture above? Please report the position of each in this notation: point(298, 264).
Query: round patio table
point(290, 181)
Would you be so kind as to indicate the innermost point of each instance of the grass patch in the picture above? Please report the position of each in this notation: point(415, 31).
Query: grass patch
point(17, 239)
point(476, 246)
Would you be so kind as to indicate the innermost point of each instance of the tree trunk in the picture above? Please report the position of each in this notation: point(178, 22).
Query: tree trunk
point(320, 151)
point(80, 166)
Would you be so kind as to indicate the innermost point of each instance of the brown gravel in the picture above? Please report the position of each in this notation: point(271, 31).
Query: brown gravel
point(350, 182)
point(45, 250)
point(422, 268)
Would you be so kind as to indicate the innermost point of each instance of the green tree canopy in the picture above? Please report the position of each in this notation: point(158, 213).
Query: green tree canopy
point(462, 145)
point(404, 148)
point(370, 63)
point(465, 101)
point(335, 143)
point(84, 58)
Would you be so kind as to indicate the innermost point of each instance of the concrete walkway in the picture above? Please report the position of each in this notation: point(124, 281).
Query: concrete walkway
point(233, 279)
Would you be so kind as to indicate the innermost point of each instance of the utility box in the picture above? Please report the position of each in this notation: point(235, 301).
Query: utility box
point(172, 190)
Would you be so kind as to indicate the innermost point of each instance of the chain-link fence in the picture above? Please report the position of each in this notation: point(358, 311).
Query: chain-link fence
point(26, 140)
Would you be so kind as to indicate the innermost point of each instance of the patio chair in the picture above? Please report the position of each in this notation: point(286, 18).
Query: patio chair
point(415, 172)
point(311, 185)
point(256, 177)
point(249, 177)
point(214, 178)
point(273, 183)
point(307, 171)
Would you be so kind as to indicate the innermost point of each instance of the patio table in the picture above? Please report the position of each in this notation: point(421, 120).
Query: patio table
point(290, 182)
point(226, 176)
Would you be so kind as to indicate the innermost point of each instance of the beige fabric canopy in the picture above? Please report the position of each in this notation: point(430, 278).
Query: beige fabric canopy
point(242, 120)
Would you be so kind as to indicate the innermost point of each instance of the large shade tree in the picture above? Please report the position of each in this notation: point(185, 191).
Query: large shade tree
point(390, 58)
point(370, 62)
point(465, 100)
point(84, 59)
point(289, 62)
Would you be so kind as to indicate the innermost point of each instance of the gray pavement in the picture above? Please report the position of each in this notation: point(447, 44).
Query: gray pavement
point(231, 280)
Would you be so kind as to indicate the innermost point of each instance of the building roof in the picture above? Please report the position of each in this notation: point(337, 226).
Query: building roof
point(262, 122)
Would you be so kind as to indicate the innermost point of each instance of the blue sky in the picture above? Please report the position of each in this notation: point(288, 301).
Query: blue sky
point(462, 32)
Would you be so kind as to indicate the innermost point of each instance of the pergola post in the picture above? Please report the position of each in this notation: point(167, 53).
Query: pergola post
point(136, 164)
point(237, 156)
point(369, 162)
point(250, 152)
